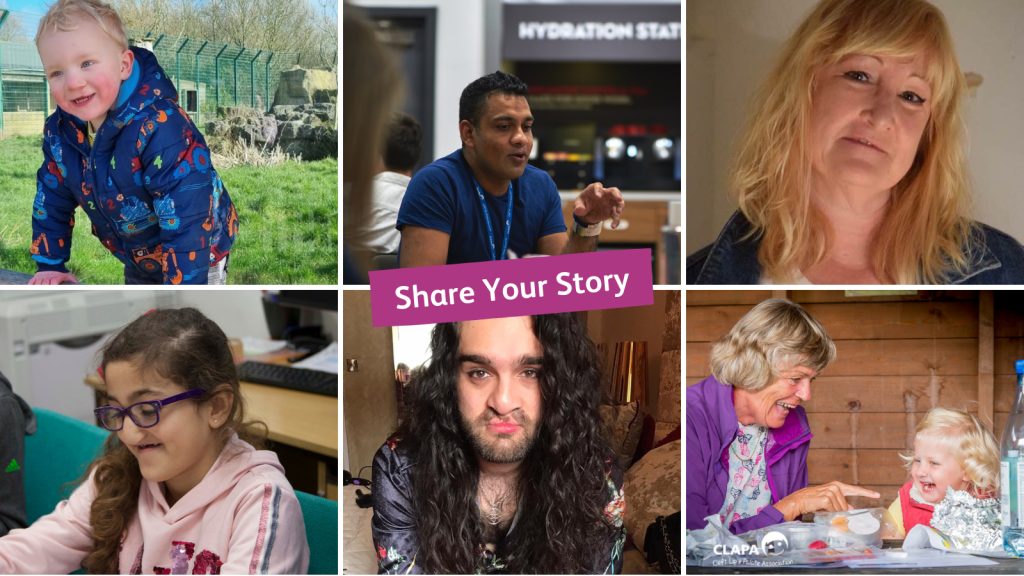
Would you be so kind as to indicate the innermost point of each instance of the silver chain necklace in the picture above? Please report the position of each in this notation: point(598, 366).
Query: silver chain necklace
point(494, 514)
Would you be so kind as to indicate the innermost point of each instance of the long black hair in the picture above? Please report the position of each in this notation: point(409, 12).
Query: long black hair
point(562, 483)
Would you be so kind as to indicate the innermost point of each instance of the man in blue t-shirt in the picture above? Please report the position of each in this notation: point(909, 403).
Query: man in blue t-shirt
point(485, 200)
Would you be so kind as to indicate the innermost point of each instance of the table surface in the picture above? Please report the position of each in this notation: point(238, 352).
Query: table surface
point(1004, 566)
point(300, 419)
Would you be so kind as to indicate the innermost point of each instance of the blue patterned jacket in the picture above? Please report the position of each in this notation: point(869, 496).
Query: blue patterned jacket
point(146, 184)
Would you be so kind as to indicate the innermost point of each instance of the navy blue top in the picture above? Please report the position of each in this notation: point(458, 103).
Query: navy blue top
point(442, 196)
point(732, 259)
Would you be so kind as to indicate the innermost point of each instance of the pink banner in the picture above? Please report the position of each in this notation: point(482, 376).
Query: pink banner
point(456, 292)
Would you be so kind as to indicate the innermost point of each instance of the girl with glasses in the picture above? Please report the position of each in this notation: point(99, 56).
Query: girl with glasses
point(181, 485)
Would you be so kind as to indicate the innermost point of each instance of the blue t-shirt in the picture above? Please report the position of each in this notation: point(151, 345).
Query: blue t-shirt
point(442, 196)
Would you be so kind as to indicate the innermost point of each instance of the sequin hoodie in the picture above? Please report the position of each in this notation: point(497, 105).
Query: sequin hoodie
point(146, 183)
point(242, 518)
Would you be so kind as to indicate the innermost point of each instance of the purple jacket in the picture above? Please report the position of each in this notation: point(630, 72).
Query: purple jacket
point(711, 426)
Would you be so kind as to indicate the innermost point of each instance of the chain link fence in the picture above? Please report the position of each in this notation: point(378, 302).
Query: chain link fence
point(206, 74)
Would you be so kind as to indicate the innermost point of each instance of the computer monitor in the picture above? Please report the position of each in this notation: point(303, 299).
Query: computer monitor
point(320, 299)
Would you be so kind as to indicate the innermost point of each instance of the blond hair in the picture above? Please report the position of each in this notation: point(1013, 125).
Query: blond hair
point(63, 15)
point(927, 233)
point(776, 335)
point(968, 441)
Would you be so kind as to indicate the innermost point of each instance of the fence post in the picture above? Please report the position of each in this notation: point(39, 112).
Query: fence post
point(268, 81)
point(216, 72)
point(199, 107)
point(252, 79)
point(177, 74)
point(3, 18)
point(236, 74)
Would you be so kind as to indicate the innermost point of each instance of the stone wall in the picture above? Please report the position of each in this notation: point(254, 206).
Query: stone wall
point(306, 86)
point(309, 130)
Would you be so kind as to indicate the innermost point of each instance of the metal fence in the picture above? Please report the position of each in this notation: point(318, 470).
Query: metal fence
point(206, 74)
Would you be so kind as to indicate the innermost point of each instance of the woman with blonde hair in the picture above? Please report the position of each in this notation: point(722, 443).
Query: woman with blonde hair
point(852, 169)
point(747, 435)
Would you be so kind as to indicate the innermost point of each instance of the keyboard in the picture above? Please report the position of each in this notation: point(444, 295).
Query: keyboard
point(313, 381)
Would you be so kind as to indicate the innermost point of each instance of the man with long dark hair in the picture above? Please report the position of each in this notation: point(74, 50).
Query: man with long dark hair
point(501, 466)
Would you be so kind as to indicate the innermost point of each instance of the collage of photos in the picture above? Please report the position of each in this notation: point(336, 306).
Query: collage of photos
point(487, 197)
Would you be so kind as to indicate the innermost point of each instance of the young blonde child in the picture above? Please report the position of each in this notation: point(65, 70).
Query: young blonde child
point(951, 448)
point(180, 487)
point(120, 147)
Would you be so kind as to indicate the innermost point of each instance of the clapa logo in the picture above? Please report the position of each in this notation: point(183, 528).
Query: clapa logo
point(773, 544)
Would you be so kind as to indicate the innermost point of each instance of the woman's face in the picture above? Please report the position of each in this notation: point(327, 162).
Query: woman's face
point(867, 117)
point(770, 406)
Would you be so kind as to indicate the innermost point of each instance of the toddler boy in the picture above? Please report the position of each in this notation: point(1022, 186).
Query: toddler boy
point(120, 147)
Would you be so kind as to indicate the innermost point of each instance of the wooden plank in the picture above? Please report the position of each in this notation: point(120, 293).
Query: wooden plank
point(875, 431)
point(910, 357)
point(854, 321)
point(873, 467)
point(821, 296)
point(720, 297)
point(1007, 352)
point(1009, 314)
point(899, 394)
point(986, 350)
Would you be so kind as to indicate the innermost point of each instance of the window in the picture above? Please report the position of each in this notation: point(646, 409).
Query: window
point(24, 96)
point(191, 101)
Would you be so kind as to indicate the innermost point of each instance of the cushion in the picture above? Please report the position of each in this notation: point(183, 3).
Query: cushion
point(672, 436)
point(647, 438)
point(652, 488)
point(625, 424)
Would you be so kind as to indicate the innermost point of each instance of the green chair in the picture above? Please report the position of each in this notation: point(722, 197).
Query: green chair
point(320, 516)
point(58, 453)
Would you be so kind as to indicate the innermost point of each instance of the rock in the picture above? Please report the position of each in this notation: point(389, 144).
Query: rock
point(305, 86)
point(240, 111)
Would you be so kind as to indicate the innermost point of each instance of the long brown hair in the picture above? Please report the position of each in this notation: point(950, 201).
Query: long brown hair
point(189, 349)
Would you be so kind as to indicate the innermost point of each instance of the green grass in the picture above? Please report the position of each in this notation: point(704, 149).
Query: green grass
point(288, 219)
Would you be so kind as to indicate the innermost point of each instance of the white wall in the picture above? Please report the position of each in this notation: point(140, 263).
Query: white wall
point(239, 313)
point(459, 60)
point(732, 45)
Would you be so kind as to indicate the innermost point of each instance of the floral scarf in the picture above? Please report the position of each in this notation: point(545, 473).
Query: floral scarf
point(748, 491)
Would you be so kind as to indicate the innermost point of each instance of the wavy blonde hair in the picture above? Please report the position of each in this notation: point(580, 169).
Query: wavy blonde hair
point(970, 443)
point(64, 14)
point(927, 232)
point(776, 335)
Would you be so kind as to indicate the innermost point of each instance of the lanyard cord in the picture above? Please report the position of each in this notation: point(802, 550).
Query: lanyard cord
point(487, 220)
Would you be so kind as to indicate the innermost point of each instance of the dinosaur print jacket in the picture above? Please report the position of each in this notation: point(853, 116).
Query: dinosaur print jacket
point(146, 183)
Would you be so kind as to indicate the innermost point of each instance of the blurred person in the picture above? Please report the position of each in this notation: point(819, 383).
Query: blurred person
point(16, 420)
point(500, 466)
point(853, 167)
point(402, 147)
point(373, 85)
point(481, 201)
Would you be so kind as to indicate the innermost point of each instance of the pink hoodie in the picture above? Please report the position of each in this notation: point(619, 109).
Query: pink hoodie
point(243, 518)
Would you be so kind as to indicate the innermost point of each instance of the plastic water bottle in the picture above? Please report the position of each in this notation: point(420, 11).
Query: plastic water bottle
point(1012, 473)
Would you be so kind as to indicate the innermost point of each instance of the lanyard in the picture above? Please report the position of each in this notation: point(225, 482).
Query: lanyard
point(487, 219)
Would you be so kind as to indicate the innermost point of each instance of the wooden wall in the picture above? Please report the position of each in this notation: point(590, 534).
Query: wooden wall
point(898, 356)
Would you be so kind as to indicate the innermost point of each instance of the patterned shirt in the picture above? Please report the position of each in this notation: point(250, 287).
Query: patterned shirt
point(394, 521)
point(748, 476)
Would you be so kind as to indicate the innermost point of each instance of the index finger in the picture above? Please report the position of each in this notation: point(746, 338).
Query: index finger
point(850, 490)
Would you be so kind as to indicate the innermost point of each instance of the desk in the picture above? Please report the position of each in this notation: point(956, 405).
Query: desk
point(1004, 566)
point(298, 419)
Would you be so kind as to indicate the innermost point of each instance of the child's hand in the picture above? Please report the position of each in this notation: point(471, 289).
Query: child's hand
point(52, 278)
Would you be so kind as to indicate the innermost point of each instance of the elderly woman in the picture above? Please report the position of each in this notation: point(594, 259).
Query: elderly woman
point(747, 435)
point(852, 169)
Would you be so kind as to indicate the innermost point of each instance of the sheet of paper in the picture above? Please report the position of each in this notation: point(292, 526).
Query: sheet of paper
point(325, 360)
point(254, 346)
